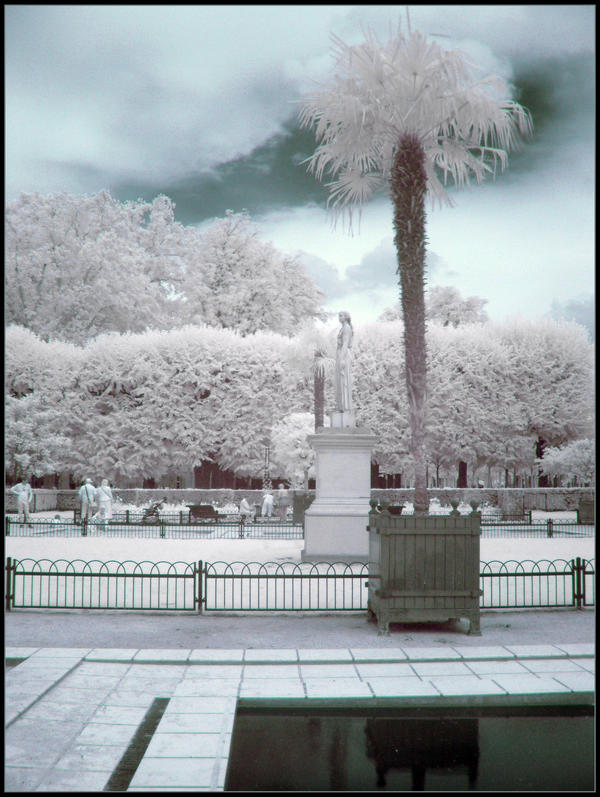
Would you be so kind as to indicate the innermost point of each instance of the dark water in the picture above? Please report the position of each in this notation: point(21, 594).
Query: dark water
point(546, 749)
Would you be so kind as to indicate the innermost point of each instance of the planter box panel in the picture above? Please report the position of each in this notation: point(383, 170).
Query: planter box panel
point(424, 568)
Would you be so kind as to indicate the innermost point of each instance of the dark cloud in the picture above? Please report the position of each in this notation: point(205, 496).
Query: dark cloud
point(558, 91)
point(270, 177)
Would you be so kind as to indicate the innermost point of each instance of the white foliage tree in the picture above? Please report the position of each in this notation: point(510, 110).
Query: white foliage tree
point(575, 461)
point(78, 266)
point(291, 455)
point(444, 305)
point(238, 281)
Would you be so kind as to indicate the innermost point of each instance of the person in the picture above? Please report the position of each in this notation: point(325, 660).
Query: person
point(267, 505)
point(104, 497)
point(245, 510)
point(87, 496)
point(282, 502)
point(24, 495)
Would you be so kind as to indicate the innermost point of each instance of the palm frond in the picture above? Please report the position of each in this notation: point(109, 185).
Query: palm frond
point(466, 122)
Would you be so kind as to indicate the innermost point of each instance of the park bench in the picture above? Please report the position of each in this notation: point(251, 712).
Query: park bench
point(203, 513)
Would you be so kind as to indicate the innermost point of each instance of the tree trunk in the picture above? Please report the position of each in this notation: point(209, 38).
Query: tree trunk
point(408, 184)
point(462, 474)
point(540, 447)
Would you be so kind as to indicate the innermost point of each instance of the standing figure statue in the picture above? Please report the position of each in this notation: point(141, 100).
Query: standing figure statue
point(343, 365)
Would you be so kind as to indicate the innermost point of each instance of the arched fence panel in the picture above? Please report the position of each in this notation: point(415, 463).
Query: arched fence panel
point(269, 586)
point(76, 584)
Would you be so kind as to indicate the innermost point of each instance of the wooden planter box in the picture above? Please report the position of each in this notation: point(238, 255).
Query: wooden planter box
point(423, 568)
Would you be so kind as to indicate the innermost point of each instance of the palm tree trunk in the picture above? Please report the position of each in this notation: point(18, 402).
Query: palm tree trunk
point(408, 183)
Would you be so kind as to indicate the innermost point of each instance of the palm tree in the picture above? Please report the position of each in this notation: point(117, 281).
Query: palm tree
point(403, 115)
point(313, 352)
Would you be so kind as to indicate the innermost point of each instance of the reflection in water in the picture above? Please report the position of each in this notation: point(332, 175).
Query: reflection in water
point(422, 744)
point(494, 749)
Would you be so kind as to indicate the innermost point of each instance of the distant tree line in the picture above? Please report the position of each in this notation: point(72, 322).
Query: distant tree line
point(137, 405)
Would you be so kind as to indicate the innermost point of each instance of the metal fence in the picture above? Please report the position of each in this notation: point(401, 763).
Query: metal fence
point(232, 527)
point(542, 528)
point(284, 586)
point(269, 586)
point(63, 584)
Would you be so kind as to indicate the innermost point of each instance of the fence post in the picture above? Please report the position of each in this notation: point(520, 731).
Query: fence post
point(578, 596)
point(162, 529)
point(8, 582)
point(200, 596)
point(7, 525)
point(127, 517)
point(549, 527)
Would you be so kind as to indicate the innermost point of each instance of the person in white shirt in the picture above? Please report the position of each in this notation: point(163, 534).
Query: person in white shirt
point(104, 497)
point(24, 495)
point(267, 505)
point(87, 496)
point(245, 509)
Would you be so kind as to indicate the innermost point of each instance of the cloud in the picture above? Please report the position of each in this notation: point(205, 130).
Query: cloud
point(198, 103)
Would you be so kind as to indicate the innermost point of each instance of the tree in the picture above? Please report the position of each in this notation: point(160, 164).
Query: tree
point(34, 444)
point(576, 461)
point(312, 351)
point(398, 115)
point(237, 281)
point(79, 266)
point(291, 455)
point(444, 305)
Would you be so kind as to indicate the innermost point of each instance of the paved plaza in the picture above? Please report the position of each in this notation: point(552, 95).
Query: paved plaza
point(73, 712)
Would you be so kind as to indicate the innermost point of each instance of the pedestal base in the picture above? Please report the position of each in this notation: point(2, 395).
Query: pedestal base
point(336, 532)
point(335, 524)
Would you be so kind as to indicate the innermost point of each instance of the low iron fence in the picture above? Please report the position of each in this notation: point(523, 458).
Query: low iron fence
point(77, 584)
point(269, 586)
point(232, 526)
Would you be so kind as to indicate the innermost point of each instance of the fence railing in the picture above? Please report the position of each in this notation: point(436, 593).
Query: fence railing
point(232, 526)
point(269, 586)
point(77, 584)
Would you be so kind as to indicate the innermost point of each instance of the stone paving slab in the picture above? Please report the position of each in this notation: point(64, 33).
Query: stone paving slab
point(87, 703)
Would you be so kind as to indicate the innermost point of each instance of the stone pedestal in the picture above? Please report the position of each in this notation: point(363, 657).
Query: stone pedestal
point(335, 524)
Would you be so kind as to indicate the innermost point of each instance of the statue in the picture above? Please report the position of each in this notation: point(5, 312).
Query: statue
point(343, 365)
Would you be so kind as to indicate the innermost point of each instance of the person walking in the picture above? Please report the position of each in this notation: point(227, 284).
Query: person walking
point(87, 496)
point(282, 502)
point(104, 497)
point(24, 495)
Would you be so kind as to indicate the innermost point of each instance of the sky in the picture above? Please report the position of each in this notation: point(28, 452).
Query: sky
point(200, 103)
